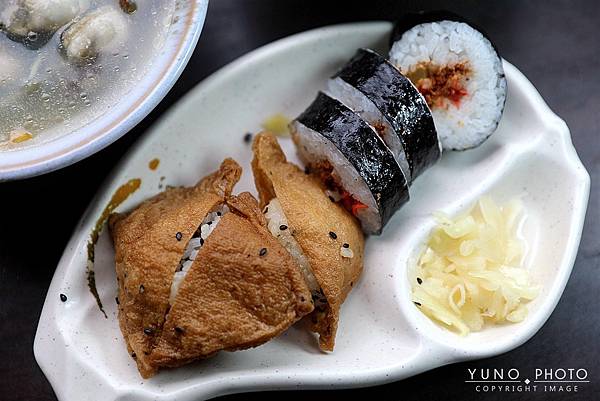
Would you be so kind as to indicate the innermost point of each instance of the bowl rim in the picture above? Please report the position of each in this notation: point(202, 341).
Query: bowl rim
point(105, 129)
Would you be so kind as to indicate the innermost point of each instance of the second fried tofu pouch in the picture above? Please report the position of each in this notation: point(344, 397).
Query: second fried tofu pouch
point(324, 238)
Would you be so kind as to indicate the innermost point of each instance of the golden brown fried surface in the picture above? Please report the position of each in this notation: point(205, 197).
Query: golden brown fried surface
point(312, 216)
point(242, 290)
point(149, 243)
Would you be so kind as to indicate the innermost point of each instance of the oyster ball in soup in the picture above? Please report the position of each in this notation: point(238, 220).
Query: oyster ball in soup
point(64, 63)
point(102, 30)
point(35, 21)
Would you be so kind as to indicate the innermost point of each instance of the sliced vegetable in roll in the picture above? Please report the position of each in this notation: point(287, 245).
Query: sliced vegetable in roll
point(458, 71)
point(352, 160)
point(375, 89)
point(320, 234)
point(188, 287)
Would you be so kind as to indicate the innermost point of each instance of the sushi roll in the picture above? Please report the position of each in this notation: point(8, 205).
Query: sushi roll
point(458, 71)
point(321, 235)
point(374, 89)
point(189, 288)
point(352, 160)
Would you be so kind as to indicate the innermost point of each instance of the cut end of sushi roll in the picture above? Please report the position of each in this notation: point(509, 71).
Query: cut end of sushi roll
point(352, 161)
point(374, 89)
point(458, 71)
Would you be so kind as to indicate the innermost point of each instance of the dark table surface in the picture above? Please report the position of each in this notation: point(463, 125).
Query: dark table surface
point(554, 43)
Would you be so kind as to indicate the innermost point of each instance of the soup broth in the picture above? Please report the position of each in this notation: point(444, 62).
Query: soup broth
point(46, 92)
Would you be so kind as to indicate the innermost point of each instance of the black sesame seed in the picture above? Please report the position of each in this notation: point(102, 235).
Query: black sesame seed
point(283, 227)
point(208, 223)
point(248, 137)
point(178, 330)
point(148, 331)
point(142, 289)
point(63, 297)
point(263, 252)
point(133, 355)
point(201, 242)
point(331, 198)
point(266, 210)
point(417, 303)
point(351, 283)
point(332, 235)
point(346, 245)
point(219, 214)
point(306, 170)
point(419, 280)
point(178, 236)
point(117, 300)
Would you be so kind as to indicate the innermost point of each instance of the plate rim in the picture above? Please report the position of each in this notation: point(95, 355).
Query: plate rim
point(373, 376)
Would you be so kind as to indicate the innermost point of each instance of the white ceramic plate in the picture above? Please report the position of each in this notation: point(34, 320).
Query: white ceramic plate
point(382, 337)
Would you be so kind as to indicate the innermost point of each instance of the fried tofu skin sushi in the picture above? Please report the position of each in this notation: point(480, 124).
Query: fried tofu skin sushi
point(198, 272)
point(323, 237)
point(243, 289)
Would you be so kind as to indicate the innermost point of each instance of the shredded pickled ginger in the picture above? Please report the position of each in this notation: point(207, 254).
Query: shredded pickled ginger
point(470, 271)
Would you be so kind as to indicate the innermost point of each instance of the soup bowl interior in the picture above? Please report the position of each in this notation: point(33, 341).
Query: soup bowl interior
point(129, 83)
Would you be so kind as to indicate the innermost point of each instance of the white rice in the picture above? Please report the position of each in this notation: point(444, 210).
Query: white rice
point(366, 109)
point(313, 148)
point(276, 221)
point(193, 247)
point(448, 43)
